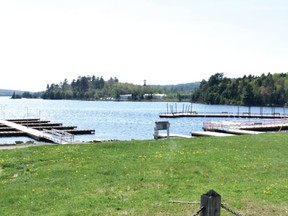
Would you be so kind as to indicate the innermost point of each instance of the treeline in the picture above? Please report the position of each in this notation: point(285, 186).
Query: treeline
point(96, 88)
point(25, 94)
point(264, 90)
point(183, 88)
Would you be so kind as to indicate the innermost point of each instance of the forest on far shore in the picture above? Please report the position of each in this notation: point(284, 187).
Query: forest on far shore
point(96, 88)
point(265, 90)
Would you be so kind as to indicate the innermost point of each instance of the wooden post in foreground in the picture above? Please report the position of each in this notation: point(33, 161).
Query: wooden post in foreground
point(211, 201)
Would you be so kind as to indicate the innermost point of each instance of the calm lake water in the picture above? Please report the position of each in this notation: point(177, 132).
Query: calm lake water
point(112, 120)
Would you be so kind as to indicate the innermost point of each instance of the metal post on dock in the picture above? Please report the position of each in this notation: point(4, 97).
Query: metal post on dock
point(191, 107)
point(171, 109)
point(167, 109)
point(238, 111)
point(273, 110)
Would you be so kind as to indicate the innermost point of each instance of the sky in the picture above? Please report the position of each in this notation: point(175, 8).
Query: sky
point(160, 41)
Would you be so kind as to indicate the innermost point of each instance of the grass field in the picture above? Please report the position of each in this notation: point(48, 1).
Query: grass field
point(141, 177)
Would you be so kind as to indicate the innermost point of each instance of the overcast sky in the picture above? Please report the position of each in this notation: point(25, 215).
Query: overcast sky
point(161, 41)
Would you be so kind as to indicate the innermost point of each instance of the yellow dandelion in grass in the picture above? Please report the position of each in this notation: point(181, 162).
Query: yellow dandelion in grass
point(143, 157)
point(267, 189)
point(158, 155)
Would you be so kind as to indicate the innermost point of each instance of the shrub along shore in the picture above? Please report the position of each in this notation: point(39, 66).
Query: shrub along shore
point(250, 172)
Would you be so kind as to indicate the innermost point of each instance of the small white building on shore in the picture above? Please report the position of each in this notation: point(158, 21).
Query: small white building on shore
point(155, 96)
point(125, 97)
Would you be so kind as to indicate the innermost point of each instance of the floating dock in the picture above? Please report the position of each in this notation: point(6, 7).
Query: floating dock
point(233, 131)
point(222, 115)
point(263, 125)
point(227, 128)
point(210, 133)
point(40, 130)
point(164, 136)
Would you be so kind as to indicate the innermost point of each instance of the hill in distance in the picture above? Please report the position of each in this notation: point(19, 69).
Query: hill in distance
point(181, 87)
point(6, 92)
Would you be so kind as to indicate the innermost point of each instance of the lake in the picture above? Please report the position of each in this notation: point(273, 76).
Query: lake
point(113, 120)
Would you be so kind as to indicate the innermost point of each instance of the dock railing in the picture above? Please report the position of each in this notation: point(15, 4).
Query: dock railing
point(173, 111)
point(244, 124)
point(222, 114)
point(58, 136)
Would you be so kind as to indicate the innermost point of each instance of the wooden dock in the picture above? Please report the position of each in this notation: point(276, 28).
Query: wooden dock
point(234, 131)
point(164, 136)
point(210, 133)
point(264, 125)
point(220, 128)
point(40, 130)
point(222, 115)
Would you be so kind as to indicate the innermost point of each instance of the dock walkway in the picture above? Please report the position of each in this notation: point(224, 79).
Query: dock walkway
point(38, 130)
point(36, 134)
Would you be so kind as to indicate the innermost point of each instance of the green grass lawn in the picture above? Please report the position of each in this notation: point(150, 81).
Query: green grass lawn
point(141, 177)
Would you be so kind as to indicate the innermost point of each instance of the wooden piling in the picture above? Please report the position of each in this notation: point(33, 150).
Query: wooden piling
point(210, 204)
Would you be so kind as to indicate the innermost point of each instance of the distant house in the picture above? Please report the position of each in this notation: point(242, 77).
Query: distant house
point(155, 96)
point(125, 97)
point(159, 96)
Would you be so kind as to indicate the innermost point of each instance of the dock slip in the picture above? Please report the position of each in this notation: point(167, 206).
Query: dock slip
point(40, 130)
